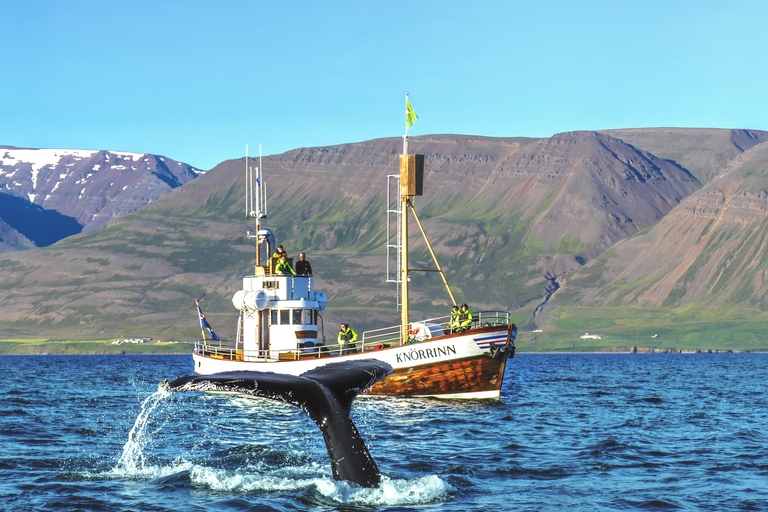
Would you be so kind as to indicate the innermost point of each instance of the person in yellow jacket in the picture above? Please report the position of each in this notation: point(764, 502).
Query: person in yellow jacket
point(347, 339)
point(283, 267)
point(465, 318)
point(454, 319)
point(279, 253)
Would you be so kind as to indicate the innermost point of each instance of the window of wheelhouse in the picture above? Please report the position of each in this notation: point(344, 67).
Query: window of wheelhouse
point(273, 316)
point(296, 317)
point(285, 316)
point(309, 318)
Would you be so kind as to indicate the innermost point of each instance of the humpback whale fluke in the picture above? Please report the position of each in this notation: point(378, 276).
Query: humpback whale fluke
point(325, 394)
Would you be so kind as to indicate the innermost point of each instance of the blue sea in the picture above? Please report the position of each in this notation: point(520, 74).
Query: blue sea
point(586, 432)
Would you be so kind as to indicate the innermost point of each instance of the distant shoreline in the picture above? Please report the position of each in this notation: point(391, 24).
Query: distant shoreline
point(96, 348)
point(177, 348)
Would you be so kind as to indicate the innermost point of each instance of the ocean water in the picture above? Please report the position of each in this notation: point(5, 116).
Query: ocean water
point(571, 432)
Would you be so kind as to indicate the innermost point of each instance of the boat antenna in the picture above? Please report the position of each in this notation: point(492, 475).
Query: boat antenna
point(248, 207)
point(251, 195)
point(259, 195)
point(262, 188)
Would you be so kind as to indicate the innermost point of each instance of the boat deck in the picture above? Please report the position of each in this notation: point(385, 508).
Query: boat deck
point(370, 341)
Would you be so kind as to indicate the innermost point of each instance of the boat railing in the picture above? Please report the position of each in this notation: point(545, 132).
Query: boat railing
point(396, 333)
point(370, 341)
point(227, 350)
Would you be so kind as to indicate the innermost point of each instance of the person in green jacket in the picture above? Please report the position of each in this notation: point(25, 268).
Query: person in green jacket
point(347, 339)
point(283, 267)
point(454, 319)
point(465, 318)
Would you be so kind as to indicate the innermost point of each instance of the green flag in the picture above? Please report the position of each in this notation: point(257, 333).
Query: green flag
point(410, 116)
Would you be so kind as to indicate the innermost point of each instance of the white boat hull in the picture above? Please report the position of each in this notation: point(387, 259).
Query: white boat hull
point(466, 365)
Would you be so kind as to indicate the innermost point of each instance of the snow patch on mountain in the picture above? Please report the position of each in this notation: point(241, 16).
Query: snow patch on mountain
point(86, 188)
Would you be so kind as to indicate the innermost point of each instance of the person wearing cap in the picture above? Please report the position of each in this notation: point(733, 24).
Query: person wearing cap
point(279, 253)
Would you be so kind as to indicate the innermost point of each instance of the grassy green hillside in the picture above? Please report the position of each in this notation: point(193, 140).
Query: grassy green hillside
point(102, 347)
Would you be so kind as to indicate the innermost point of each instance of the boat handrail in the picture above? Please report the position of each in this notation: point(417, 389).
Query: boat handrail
point(224, 349)
point(373, 340)
point(479, 319)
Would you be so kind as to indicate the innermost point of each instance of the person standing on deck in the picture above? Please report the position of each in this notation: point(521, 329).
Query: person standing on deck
point(303, 268)
point(283, 267)
point(279, 253)
point(454, 319)
point(465, 318)
point(275, 261)
point(347, 339)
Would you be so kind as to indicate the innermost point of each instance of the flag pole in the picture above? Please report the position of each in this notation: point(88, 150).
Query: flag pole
point(404, 310)
point(197, 303)
point(405, 138)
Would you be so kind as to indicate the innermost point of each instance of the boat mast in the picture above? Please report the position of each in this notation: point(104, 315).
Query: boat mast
point(411, 185)
point(408, 178)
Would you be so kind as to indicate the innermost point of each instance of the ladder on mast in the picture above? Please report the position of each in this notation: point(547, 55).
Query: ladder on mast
point(394, 246)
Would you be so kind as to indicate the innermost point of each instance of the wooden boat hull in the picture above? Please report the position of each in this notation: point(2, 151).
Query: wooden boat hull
point(472, 377)
point(466, 365)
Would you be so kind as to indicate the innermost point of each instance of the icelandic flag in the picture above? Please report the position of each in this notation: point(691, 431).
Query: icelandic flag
point(204, 323)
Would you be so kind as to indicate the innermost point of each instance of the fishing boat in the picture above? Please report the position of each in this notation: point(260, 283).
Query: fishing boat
point(279, 315)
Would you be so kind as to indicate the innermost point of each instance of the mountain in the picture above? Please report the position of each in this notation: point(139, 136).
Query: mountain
point(510, 219)
point(708, 257)
point(703, 152)
point(50, 194)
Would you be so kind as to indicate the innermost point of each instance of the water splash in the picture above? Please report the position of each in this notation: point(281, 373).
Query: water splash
point(319, 487)
point(248, 469)
point(403, 492)
point(132, 460)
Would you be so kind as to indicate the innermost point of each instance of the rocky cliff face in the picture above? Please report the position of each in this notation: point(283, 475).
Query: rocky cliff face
point(49, 194)
point(705, 153)
point(711, 250)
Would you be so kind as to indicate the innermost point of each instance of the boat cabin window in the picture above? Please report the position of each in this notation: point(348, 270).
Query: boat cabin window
point(293, 316)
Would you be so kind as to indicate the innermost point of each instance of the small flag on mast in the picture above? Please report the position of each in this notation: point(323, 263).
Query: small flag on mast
point(410, 115)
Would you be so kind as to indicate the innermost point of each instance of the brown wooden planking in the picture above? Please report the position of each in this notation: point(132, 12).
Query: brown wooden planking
point(468, 375)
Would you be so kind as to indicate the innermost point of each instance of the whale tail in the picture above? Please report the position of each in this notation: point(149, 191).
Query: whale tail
point(325, 394)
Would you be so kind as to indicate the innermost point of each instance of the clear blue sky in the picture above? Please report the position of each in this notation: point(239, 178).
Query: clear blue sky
point(198, 80)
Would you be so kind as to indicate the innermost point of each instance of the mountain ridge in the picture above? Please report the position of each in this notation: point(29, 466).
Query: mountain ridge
point(510, 218)
point(71, 190)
